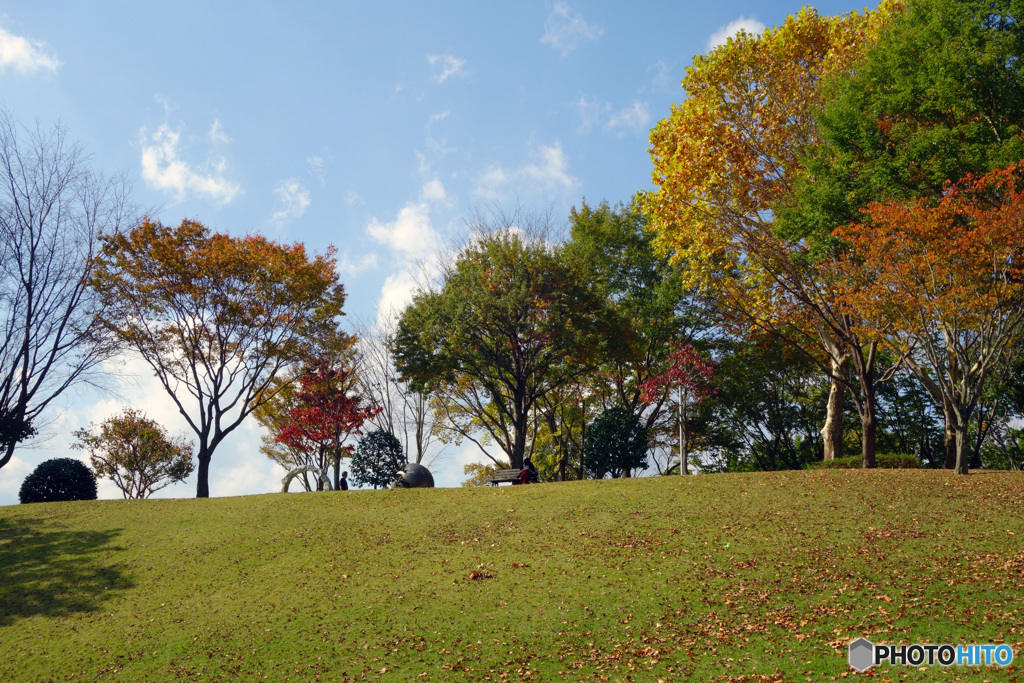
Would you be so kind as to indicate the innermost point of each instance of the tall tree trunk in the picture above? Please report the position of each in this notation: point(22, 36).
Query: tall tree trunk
point(583, 437)
point(520, 427)
point(203, 474)
point(832, 432)
point(419, 439)
point(869, 427)
point(962, 453)
point(949, 433)
point(866, 407)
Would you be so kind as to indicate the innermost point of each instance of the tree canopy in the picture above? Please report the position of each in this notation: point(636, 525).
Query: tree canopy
point(510, 323)
point(939, 95)
point(616, 444)
point(216, 317)
point(136, 454)
point(377, 459)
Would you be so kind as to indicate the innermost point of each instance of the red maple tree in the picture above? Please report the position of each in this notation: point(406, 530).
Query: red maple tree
point(328, 412)
point(691, 375)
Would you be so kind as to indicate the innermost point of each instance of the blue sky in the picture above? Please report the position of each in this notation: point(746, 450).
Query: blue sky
point(376, 127)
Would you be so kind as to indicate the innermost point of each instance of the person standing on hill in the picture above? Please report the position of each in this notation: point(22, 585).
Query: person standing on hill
point(343, 484)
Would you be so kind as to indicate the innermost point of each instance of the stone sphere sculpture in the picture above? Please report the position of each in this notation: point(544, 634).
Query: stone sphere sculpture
point(414, 476)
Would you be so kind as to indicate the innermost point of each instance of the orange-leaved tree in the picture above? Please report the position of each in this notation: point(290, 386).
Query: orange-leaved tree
point(730, 153)
point(945, 281)
point(217, 317)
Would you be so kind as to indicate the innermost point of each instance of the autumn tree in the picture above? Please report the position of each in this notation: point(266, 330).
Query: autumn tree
point(136, 454)
point(937, 96)
point(946, 282)
point(727, 156)
point(688, 376)
point(335, 349)
point(326, 412)
point(52, 208)
point(509, 323)
point(216, 317)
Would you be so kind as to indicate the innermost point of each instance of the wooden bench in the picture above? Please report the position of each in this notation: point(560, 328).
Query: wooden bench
point(505, 477)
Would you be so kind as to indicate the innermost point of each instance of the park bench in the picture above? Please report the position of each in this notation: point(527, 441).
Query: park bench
point(505, 477)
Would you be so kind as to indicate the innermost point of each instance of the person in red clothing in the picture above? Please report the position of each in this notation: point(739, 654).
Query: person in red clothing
point(528, 475)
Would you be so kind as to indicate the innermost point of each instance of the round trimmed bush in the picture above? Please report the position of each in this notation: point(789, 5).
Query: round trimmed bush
point(57, 480)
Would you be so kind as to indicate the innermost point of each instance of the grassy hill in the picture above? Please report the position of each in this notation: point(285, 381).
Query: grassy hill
point(732, 577)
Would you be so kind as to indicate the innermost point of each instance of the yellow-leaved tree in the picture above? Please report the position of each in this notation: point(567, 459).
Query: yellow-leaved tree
point(729, 153)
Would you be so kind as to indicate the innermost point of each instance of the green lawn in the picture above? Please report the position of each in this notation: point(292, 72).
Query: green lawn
point(753, 577)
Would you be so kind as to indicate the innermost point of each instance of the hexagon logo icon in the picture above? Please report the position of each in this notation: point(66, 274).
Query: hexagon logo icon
point(862, 654)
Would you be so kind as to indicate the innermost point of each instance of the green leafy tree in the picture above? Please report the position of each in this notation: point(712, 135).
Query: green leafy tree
point(765, 414)
point(58, 480)
point(615, 444)
point(938, 96)
point(216, 317)
point(909, 422)
point(377, 459)
point(136, 454)
point(510, 323)
point(649, 310)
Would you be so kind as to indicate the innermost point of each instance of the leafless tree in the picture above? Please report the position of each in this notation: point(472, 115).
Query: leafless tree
point(406, 413)
point(52, 207)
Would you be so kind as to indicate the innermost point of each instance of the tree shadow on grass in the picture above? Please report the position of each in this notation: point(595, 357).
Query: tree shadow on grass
point(52, 572)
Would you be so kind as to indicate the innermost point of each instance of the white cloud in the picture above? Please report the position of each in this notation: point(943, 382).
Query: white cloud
point(450, 66)
point(162, 169)
point(410, 233)
point(549, 172)
point(553, 167)
point(631, 119)
point(217, 134)
point(396, 293)
point(353, 268)
point(294, 198)
point(662, 80)
point(13, 474)
point(591, 110)
point(433, 191)
point(352, 198)
point(316, 167)
point(24, 55)
point(434, 118)
point(241, 469)
point(722, 35)
point(565, 30)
